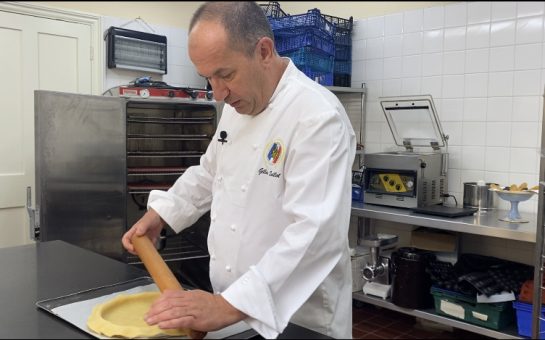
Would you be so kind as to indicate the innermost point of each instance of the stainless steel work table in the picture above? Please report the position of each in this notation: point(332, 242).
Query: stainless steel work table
point(483, 223)
point(52, 269)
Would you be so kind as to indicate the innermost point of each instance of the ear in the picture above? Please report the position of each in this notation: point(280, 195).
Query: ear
point(265, 50)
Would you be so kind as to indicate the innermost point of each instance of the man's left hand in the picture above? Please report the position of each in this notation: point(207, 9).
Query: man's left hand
point(194, 309)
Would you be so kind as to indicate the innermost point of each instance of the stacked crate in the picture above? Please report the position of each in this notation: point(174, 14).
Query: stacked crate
point(307, 39)
point(342, 71)
point(320, 45)
point(272, 9)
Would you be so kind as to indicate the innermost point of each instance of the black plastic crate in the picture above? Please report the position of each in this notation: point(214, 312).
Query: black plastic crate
point(273, 10)
point(342, 66)
point(340, 23)
point(343, 29)
point(340, 79)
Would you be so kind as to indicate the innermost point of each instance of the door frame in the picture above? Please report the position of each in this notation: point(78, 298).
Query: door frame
point(93, 21)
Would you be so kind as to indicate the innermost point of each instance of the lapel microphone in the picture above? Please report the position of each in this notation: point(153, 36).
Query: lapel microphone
point(223, 135)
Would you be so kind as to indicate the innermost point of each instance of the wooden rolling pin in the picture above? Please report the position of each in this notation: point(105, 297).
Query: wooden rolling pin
point(159, 271)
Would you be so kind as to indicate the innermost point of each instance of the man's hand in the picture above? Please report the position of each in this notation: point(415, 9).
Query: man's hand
point(194, 309)
point(150, 224)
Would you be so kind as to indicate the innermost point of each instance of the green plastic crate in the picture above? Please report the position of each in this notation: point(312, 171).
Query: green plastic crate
point(490, 315)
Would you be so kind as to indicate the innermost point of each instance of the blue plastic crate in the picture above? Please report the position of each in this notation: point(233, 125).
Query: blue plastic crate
point(343, 52)
point(524, 319)
point(289, 40)
point(311, 19)
point(341, 66)
point(324, 78)
point(312, 58)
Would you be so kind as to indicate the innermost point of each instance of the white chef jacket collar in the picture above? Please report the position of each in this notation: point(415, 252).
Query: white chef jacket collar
point(288, 72)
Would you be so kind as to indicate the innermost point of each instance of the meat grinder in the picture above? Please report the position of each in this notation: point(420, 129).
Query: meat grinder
point(378, 270)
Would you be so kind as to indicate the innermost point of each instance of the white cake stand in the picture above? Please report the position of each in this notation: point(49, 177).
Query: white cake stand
point(514, 197)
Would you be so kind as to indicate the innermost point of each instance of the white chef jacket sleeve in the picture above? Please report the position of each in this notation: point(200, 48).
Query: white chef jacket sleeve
point(190, 196)
point(317, 196)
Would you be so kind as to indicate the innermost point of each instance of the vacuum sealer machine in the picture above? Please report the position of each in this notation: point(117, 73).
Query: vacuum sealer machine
point(409, 179)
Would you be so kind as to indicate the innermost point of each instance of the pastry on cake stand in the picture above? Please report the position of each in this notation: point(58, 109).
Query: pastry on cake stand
point(515, 197)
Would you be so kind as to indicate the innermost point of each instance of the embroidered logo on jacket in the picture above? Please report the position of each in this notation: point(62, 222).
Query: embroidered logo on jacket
point(273, 155)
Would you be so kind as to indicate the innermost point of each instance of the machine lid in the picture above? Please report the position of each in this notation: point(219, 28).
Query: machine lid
point(413, 121)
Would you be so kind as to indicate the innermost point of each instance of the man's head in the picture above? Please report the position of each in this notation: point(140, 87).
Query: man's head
point(232, 45)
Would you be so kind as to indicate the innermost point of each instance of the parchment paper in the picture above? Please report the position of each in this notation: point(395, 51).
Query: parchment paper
point(77, 313)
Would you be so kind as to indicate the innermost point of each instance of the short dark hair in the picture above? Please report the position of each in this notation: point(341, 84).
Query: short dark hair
point(244, 21)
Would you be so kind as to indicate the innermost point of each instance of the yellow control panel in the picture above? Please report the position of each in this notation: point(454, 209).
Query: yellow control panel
point(392, 183)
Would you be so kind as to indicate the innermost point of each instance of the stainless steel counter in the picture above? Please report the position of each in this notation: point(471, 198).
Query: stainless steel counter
point(483, 223)
point(47, 270)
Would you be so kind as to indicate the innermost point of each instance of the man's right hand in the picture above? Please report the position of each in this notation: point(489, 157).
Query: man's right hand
point(150, 224)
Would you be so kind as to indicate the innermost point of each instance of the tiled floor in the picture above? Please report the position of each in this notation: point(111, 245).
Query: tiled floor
point(372, 322)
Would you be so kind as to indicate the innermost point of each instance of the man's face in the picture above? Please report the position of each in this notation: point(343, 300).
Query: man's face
point(235, 78)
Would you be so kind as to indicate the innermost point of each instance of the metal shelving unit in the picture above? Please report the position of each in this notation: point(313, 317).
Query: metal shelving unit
point(429, 314)
point(485, 224)
point(540, 247)
point(353, 100)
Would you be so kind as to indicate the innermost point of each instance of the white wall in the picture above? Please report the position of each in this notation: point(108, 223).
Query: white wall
point(484, 65)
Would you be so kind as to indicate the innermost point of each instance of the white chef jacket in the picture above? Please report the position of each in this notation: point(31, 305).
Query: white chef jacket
point(279, 194)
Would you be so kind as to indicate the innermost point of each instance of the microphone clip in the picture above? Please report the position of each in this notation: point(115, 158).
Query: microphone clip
point(223, 135)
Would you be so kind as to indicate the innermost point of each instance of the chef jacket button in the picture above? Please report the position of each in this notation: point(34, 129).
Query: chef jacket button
point(213, 218)
point(213, 257)
point(243, 188)
point(228, 268)
point(255, 146)
point(233, 227)
point(220, 178)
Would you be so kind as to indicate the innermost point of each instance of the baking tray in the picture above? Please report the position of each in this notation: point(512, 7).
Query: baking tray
point(75, 308)
point(51, 304)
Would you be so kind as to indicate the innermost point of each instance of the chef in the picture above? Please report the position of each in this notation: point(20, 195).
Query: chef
point(276, 178)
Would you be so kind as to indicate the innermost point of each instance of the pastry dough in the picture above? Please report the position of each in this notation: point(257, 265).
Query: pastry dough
point(123, 316)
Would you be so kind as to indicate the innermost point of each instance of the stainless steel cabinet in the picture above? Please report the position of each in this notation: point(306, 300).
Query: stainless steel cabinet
point(97, 159)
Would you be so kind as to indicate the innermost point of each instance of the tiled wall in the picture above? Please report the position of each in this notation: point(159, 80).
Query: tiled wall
point(484, 65)
point(180, 70)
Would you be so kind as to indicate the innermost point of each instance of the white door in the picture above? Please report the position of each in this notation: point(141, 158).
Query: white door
point(35, 53)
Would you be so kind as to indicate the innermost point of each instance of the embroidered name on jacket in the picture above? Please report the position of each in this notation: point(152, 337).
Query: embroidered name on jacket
point(273, 156)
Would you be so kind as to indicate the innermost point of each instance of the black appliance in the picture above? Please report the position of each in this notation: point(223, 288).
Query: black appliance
point(412, 283)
